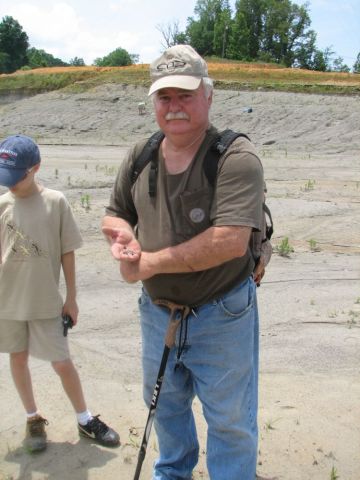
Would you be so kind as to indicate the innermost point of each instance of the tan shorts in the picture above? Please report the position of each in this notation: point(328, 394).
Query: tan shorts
point(43, 339)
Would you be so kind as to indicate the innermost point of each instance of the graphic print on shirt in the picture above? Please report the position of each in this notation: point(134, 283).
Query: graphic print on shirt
point(21, 246)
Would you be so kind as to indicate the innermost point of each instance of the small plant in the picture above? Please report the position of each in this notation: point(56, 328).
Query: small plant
point(69, 181)
point(56, 173)
point(85, 166)
point(313, 245)
point(353, 318)
point(333, 474)
point(312, 302)
point(284, 248)
point(309, 185)
point(357, 300)
point(269, 425)
point(85, 201)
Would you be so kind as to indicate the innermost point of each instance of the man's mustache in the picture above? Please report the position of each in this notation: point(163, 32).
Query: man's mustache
point(177, 116)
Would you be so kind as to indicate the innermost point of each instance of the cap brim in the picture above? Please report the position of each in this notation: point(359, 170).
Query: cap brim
point(185, 82)
point(11, 176)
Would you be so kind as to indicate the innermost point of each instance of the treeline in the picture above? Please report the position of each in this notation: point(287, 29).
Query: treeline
point(257, 30)
point(16, 53)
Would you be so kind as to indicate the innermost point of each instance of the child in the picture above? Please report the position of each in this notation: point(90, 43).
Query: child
point(38, 236)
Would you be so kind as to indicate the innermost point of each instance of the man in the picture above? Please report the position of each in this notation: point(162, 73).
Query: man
point(190, 246)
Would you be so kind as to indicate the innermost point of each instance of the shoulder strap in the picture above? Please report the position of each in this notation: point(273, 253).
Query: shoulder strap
point(221, 143)
point(149, 153)
point(269, 226)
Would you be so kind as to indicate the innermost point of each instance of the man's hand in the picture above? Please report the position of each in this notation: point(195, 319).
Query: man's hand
point(124, 246)
point(143, 269)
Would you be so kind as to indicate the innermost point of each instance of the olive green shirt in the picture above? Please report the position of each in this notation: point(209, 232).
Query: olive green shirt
point(186, 205)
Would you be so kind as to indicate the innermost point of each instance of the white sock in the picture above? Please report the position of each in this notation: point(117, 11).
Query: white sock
point(84, 417)
point(33, 414)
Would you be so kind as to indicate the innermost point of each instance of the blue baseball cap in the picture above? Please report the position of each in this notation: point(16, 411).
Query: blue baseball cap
point(18, 153)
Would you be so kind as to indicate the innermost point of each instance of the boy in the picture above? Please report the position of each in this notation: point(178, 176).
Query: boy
point(38, 236)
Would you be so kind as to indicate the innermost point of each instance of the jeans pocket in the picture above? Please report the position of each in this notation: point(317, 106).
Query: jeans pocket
point(144, 299)
point(238, 301)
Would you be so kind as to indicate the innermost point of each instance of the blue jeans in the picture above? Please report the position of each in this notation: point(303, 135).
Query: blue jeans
point(219, 364)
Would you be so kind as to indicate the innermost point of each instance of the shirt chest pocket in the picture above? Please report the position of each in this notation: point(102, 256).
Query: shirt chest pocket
point(192, 214)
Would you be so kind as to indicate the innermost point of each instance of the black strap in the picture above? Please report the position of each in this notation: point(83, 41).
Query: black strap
point(217, 148)
point(149, 153)
point(269, 228)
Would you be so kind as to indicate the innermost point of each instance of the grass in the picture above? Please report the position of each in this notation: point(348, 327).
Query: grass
point(226, 75)
point(333, 474)
point(284, 248)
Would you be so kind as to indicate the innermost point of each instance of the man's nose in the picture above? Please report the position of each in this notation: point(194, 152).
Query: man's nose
point(175, 104)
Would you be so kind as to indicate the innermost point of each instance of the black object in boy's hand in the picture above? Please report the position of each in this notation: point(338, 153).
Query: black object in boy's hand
point(67, 323)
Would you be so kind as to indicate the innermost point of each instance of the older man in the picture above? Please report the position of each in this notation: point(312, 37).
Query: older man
point(188, 243)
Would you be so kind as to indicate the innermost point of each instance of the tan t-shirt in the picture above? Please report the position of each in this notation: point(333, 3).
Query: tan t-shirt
point(186, 205)
point(34, 232)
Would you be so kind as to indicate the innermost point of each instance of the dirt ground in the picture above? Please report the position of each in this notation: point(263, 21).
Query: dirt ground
point(309, 410)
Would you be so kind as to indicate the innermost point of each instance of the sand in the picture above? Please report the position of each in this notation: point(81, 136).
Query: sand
point(309, 409)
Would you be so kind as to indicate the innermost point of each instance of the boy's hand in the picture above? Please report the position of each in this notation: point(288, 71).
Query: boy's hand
point(70, 308)
point(124, 246)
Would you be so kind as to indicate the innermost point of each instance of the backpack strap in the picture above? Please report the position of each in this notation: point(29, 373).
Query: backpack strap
point(148, 154)
point(221, 143)
point(270, 226)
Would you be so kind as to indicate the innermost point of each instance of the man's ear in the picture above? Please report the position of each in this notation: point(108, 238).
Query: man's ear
point(36, 167)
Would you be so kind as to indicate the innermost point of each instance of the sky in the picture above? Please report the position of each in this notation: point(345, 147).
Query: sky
point(90, 29)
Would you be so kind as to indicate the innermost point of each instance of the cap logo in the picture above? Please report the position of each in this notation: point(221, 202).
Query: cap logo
point(171, 66)
point(5, 153)
point(6, 157)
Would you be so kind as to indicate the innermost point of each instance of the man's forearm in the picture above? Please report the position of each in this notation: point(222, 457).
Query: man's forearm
point(211, 248)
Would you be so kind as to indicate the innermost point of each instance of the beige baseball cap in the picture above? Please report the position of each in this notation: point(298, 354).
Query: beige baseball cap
point(179, 66)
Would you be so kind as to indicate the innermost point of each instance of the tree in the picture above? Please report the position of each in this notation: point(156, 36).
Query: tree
point(253, 13)
point(13, 45)
point(77, 62)
point(171, 34)
point(206, 33)
point(356, 66)
point(117, 58)
point(339, 65)
point(222, 27)
point(39, 58)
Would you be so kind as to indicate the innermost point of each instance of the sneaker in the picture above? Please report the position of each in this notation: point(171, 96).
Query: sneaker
point(35, 437)
point(98, 430)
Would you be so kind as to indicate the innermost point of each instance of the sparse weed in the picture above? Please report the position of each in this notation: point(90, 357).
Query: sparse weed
point(309, 185)
point(353, 318)
point(333, 474)
point(85, 201)
point(56, 173)
point(313, 245)
point(333, 314)
point(284, 248)
point(312, 302)
point(357, 300)
point(69, 181)
point(269, 425)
